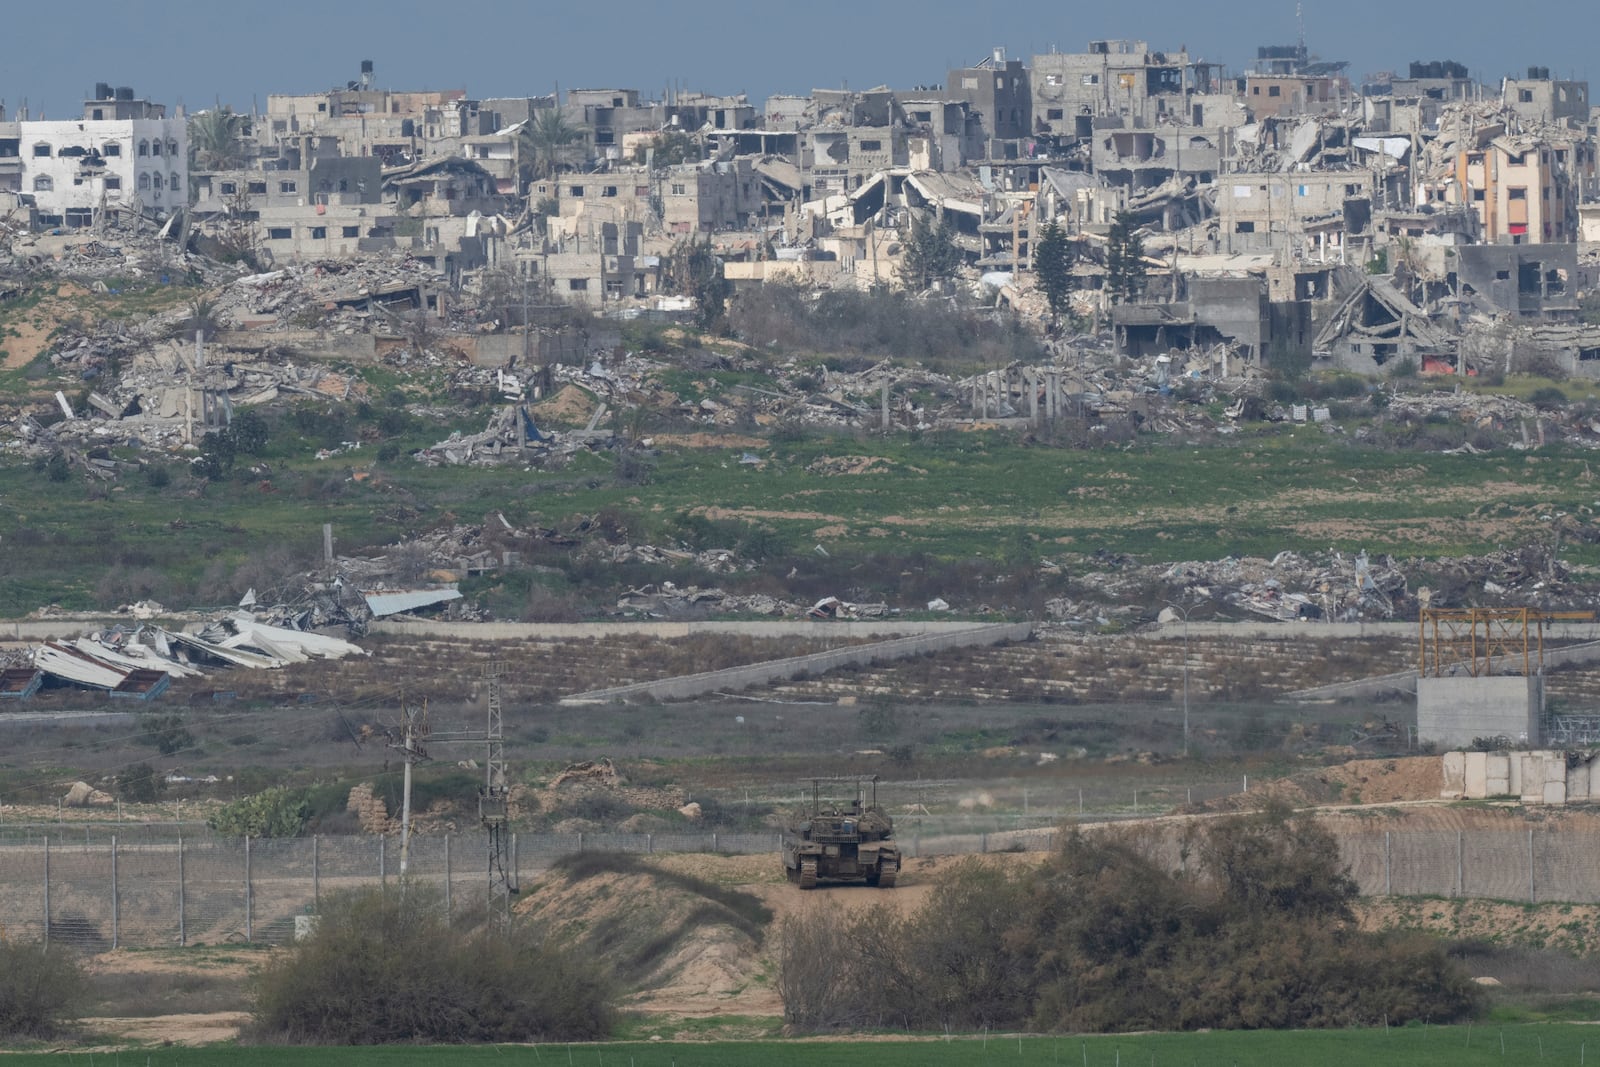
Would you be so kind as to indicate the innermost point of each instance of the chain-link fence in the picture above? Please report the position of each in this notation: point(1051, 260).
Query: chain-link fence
point(101, 893)
point(135, 890)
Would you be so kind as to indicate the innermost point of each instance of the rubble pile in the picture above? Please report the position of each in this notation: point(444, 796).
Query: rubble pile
point(140, 663)
point(511, 437)
point(115, 252)
point(1333, 586)
point(667, 600)
point(338, 295)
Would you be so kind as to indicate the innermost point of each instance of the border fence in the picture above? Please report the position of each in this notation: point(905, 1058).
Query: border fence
point(140, 892)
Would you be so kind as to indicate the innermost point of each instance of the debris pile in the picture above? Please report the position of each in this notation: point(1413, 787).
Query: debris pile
point(140, 664)
point(667, 600)
point(578, 781)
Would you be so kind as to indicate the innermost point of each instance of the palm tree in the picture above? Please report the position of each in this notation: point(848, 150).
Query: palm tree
point(216, 140)
point(544, 139)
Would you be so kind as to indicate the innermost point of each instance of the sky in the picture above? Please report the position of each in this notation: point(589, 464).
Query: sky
point(200, 52)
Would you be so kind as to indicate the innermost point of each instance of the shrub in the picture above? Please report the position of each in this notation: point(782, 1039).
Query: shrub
point(1255, 932)
point(387, 967)
point(275, 812)
point(166, 732)
point(140, 784)
point(1548, 398)
point(41, 989)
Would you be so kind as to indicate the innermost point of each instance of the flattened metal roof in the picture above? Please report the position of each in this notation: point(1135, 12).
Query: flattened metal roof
point(382, 604)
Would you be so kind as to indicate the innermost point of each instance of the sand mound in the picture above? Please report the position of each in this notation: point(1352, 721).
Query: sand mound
point(679, 942)
point(569, 405)
point(1365, 781)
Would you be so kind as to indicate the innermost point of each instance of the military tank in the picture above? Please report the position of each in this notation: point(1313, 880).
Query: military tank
point(842, 843)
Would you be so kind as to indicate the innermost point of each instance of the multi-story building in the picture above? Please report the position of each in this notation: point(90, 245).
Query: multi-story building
point(1116, 78)
point(997, 91)
point(1273, 95)
point(123, 154)
point(1519, 191)
point(709, 196)
point(1300, 211)
point(1541, 98)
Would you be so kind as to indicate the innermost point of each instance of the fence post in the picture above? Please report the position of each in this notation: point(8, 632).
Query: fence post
point(249, 897)
point(383, 860)
point(580, 840)
point(649, 843)
point(713, 841)
point(1533, 897)
point(516, 875)
point(447, 876)
point(983, 842)
point(1461, 864)
point(183, 933)
point(316, 871)
point(115, 903)
point(1388, 877)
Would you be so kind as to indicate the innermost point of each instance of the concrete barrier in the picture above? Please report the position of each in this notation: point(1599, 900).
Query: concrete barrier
point(693, 685)
point(569, 631)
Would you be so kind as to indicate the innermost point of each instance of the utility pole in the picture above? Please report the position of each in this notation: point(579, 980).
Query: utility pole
point(494, 806)
point(1184, 612)
point(413, 731)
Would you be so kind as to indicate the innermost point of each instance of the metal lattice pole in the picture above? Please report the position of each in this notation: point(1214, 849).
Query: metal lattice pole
point(494, 802)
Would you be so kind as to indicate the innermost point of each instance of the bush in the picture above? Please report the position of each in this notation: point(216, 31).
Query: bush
point(140, 784)
point(41, 989)
point(275, 812)
point(166, 732)
point(387, 967)
point(1548, 398)
point(1255, 932)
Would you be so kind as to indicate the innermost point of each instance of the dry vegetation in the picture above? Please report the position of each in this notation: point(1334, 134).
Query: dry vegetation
point(1256, 931)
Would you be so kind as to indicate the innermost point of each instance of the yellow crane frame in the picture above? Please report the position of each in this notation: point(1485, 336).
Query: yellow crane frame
point(1452, 639)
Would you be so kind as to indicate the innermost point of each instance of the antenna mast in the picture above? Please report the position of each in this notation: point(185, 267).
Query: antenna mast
point(494, 807)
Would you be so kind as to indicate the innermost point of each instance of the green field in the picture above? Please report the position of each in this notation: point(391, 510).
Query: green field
point(1416, 1046)
point(951, 496)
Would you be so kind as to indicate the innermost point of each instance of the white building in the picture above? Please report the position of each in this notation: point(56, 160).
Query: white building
point(122, 155)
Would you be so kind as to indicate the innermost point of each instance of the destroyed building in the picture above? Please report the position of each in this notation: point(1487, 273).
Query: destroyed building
point(122, 155)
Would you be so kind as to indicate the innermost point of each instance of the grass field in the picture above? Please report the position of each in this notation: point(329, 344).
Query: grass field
point(952, 496)
point(1418, 1046)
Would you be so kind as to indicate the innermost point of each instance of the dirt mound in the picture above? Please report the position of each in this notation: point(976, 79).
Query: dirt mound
point(1573, 928)
point(580, 782)
point(706, 440)
point(844, 465)
point(569, 405)
point(1365, 781)
point(679, 942)
point(29, 333)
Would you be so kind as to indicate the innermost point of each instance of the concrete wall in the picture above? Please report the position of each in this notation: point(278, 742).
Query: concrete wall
point(307, 344)
point(1538, 777)
point(693, 685)
point(1454, 711)
point(568, 631)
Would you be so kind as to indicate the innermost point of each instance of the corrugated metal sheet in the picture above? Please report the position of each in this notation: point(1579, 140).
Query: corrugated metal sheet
point(382, 604)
